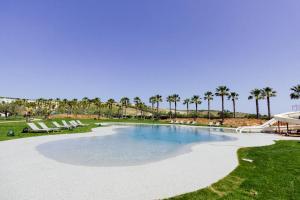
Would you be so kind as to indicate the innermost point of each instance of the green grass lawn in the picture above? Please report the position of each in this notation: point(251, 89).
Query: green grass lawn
point(17, 127)
point(274, 174)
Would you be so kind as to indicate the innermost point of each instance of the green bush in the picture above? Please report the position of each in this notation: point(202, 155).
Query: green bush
point(10, 133)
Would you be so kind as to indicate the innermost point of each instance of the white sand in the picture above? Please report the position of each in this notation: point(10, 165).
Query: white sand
point(25, 174)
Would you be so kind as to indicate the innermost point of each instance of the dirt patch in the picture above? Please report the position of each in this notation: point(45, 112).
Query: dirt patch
point(232, 122)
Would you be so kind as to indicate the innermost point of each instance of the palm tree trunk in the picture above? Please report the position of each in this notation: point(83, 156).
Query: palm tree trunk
point(269, 109)
point(222, 113)
point(257, 109)
point(233, 102)
point(187, 109)
point(157, 106)
point(152, 111)
point(170, 110)
point(196, 110)
point(208, 108)
point(175, 108)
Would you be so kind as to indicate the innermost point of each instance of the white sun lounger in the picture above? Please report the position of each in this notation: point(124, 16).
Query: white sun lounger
point(57, 125)
point(74, 123)
point(44, 126)
point(36, 129)
point(80, 123)
point(68, 125)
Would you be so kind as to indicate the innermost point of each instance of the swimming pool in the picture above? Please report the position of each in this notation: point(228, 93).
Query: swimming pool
point(132, 145)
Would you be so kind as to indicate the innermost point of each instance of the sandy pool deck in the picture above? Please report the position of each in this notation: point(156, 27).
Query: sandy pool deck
point(25, 174)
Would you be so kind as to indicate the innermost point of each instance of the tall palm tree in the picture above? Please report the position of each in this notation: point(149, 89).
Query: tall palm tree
point(196, 100)
point(187, 102)
point(222, 91)
point(110, 103)
point(257, 95)
point(152, 101)
point(158, 99)
point(208, 96)
point(97, 102)
point(268, 93)
point(170, 100)
point(142, 107)
point(124, 102)
point(233, 96)
point(137, 101)
point(295, 92)
point(176, 99)
point(85, 104)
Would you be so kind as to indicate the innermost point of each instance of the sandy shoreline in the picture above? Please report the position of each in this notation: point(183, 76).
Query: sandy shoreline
point(26, 174)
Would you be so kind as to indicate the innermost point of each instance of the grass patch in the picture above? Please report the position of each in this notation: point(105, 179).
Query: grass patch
point(17, 127)
point(273, 174)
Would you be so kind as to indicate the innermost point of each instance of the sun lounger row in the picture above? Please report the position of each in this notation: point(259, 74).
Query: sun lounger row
point(183, 122)
point(45, 129)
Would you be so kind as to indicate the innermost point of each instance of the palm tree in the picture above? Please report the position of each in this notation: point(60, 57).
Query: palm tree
point(110, 103)
point(142, 107)
point(187, 102)
point(170, 99)
point(152, 101)
point(257, 95)
point(233, 96)
point(176, 99)
point(158, 99)
point(97, 102)
point(137, 101)
point(222, 91)
point(268, 92)
point(208, 96)
point(196, 100)
point(295, 92)
point(85, 104)
point(124, 102)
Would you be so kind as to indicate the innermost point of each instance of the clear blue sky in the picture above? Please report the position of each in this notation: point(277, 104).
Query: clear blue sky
point(118, 48)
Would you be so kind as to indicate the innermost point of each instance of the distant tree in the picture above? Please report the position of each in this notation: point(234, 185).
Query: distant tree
point(222, 91)
point(295, 92)
point(233, 96)
point(196, 100)
point(187, 102)
point(256, 94)
point(137, 101)
point(268, 93)
point(124, 102)
point(208, 96)
point(170, 100)
point(152, 101)
point(176, 99)
point(158, 99)
point(97, 102)
point(110, 103)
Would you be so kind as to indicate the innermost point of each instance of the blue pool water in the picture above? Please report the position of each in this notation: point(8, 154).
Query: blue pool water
point(133, 145)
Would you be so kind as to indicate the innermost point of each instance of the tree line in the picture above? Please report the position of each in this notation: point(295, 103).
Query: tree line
point(112, 108)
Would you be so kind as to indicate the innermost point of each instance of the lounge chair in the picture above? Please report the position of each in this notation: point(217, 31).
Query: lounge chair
point(217, 124)
point(57, 125)
point(44, 126)
point(36, 129)
point(80, 123)
point(68, 125)
point(74, 123)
